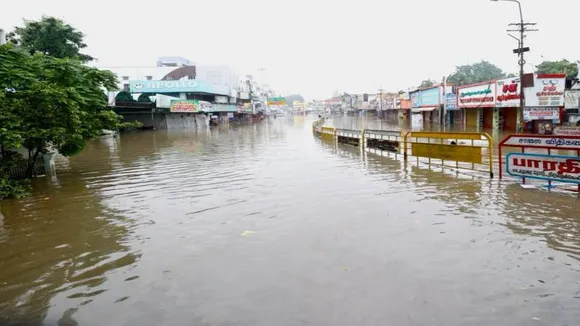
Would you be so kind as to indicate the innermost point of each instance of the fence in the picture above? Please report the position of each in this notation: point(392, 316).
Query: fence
point(19, 171)
point(465, 151)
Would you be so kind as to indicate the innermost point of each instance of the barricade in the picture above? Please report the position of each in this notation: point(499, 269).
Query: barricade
point(327, 133)
point(349, 136)
point(464, 150)
point(555, 164)
point(383, 140)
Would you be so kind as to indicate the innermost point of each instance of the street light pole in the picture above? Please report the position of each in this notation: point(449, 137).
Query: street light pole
point(520, 51)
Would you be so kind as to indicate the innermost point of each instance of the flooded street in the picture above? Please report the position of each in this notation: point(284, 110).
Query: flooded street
point(267, 225)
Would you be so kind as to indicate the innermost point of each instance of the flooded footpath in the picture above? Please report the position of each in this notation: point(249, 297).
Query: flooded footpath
point(267, 225)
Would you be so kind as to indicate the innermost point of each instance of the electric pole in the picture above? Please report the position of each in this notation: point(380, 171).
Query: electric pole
point(522, 28)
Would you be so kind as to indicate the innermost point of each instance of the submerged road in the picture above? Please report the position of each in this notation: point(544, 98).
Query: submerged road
point(266, 225)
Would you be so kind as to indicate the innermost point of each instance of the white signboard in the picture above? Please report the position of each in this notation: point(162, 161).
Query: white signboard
point(542, 166)
point(508, 93)
point(567, 131)
point(536, 141)
point(541, 113)
point(571, 99)
point(546, 92)
point(476, 96)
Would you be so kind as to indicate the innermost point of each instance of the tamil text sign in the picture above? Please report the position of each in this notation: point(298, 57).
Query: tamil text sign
point(548, 90)
point(508, 93)
point(542, 166)
point(482, 95)
point(188, 106)
point(555, 142)
point(567, 131)
point(541, 113)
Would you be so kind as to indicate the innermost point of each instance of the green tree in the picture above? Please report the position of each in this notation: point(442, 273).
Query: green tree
point(475, 73)
point(52, 103)
point(50, 36)
point(125, 97)
point(144, 98)
point(559, 67)
point(427, 83)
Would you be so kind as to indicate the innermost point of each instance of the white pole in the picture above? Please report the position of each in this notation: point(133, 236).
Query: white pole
point(2, 36)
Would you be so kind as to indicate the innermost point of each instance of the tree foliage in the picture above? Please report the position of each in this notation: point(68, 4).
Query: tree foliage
point(52, 37)
point(51, 103)
point(475, 73)
point(559, 67)
point(427, 83)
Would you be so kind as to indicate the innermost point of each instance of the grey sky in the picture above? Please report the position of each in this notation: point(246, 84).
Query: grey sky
point(315, 47)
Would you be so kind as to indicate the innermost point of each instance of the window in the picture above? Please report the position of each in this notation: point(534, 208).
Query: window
point(125, 77)
point(126, 87)
point(148, 77)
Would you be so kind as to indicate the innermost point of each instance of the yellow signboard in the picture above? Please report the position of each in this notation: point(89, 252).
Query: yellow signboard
point(470, 154)
point(447, 135)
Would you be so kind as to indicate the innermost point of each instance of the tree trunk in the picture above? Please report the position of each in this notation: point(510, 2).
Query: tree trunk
point(32, 163)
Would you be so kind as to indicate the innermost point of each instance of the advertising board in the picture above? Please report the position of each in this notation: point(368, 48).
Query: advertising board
point(541, 113)
point(189, 106)
point(276, 101)
point(508, 93)
point(548, 90)
point(567, 131)
point(430, 97)
point(558, 142)
point(542, 166)
point(415, 102)
point(450, 101)
point(481, 95)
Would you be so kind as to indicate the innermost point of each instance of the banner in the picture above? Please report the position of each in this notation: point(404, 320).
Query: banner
point(189, 106)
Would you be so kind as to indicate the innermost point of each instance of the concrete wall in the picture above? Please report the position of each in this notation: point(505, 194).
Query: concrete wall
point(182, 121)
point(156, 120)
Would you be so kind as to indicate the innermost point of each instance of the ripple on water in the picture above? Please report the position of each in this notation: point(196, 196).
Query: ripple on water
point(265, 225)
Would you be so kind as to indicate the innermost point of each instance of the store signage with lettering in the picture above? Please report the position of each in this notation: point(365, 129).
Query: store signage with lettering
point(281, 101)
point(476, 96)
point(184, 106)
point(542, 166)
point(567, 131)
point(543, 142)
point(541, 113)
point(450, 101)
point(508, 93)
point(430, 97)
point(548, 90)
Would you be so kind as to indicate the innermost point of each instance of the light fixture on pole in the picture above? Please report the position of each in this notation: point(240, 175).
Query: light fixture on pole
point(520, 52)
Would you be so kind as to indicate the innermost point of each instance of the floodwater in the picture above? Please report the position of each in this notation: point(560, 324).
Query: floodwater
point(267, 225)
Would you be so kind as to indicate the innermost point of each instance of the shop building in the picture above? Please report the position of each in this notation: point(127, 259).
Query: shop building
point(427, 107)
point(544, 103)
point(477, 102)
point(507, 103)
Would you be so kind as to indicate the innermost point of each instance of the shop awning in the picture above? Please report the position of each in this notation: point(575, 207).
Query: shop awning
point(426, 109)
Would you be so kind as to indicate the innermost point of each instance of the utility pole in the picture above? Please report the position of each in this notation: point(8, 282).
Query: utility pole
point(381, 99)
point(522, 28)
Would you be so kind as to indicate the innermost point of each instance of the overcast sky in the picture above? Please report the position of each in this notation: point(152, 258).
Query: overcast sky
point(315, 47)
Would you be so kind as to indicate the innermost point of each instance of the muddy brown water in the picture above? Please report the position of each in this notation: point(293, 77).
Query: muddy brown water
point(266, 225)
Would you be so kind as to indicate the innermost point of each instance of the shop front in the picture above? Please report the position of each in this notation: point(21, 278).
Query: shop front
point(427, 104)
point(544, 103)
point(507, 103)
point(477, 102)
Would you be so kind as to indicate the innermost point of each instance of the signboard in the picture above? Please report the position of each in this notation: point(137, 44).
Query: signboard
point(221, 99)
point(469, 154)
point(571, 99)
point(508, 93)
point(184, 106)
point(567, 131)
point(557, 142)
point(482, 95)
point(205, 106)
point(415, 102)
point(173, 86)
point(450, 101)
point(548, 90)
point(542, 166)
point(541, 113)
point(430, 97)
point(276, 101)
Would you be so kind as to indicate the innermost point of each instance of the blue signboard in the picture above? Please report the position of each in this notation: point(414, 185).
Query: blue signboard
point(415, 100)
point(175, 86)
point(451, 101)
point(557, 168)
point(430, 97)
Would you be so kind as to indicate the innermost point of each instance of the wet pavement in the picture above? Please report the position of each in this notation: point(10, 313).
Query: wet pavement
point(266, 225)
